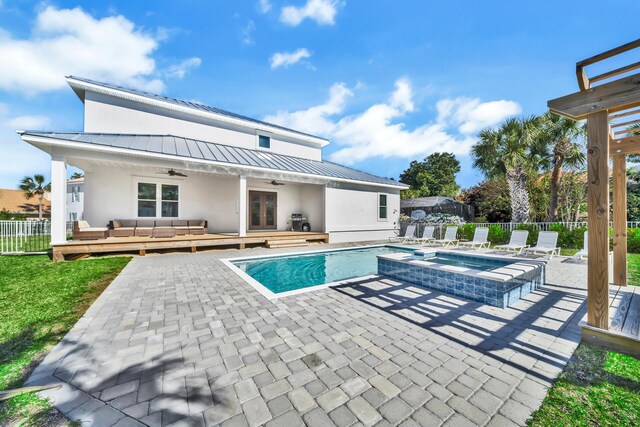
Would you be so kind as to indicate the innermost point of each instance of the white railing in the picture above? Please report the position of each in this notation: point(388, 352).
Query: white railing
point(17, 237)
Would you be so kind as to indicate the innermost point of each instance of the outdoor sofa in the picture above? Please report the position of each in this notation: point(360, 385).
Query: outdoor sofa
point(83, 231)
point(156, 228)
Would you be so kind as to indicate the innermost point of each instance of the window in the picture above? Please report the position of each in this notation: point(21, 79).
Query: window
point(158, 200)
point(264, 141)
point(382, 206)
point(75, 193)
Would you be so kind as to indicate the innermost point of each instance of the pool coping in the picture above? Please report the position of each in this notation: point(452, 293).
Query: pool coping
point(270, 295)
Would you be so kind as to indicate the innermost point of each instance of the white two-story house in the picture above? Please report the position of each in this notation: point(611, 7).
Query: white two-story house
point(75, 199)
point(150, 156)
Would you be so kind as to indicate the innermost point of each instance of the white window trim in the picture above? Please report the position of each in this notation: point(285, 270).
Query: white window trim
point(267, 134)
point(378, 207)
point(158, 183)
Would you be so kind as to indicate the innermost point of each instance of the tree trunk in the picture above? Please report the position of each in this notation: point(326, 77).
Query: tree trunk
point(556, 175)
point(517, 182)
point(40, 206)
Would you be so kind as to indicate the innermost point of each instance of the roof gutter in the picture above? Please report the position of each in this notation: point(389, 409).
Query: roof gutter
point(56, 142)
point(79, 85)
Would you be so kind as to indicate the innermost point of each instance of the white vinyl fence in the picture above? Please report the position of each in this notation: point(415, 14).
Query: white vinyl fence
point(17, 237)
point(509, 226)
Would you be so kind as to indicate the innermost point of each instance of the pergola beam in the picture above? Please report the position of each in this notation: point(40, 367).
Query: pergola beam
point(627, 145)
point(614, 96)
point(598, 212)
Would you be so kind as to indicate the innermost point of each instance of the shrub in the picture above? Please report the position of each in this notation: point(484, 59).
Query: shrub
point(465, 231)
point(498, 235)
point(633, 240)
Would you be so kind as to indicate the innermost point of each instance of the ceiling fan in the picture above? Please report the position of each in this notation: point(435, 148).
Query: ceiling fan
point(172, 172)
point(274, 182)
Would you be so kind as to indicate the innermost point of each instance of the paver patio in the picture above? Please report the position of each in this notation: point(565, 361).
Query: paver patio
point(179, 339)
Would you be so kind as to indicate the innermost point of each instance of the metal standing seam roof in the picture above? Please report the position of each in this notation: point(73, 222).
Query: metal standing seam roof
point(192, 105)
point(220, 153)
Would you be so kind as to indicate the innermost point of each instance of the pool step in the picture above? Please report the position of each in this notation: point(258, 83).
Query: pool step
point(286, 243)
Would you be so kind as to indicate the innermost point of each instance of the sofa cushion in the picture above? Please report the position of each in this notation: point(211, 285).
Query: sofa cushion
point(196, 223)
point(145, 223)
point(179, 223)
point(116, 224)
point(163, 223)
point(125, 223)
point(83, 225)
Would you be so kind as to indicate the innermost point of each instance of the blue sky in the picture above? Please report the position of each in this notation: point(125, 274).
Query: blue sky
point(386, 81)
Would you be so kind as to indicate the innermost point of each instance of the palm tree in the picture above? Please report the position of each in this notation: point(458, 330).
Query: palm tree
point(510, 151)
point(35, 187)
point(561, 141)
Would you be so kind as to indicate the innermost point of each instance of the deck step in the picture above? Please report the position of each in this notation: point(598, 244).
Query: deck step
point(286, 243)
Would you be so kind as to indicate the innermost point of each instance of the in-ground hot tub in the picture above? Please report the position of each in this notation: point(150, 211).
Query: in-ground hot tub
point(495, 280)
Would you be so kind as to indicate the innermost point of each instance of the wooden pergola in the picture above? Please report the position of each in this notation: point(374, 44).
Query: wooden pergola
point(610, 103)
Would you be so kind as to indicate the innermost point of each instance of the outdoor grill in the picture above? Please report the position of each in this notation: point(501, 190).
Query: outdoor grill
point(298, 223)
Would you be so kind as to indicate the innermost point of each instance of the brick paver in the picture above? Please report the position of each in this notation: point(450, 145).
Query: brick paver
point(180, 339)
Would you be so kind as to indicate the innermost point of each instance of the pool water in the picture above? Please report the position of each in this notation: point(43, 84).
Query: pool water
point(465, 261)
point(288, 273)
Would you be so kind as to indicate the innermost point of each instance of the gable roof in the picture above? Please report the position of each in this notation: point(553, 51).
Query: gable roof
point(175, 146)
point(80, 85)
point(14, 201)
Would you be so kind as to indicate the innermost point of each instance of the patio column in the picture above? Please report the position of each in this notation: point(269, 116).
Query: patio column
point(242, 206)
point(58, 199)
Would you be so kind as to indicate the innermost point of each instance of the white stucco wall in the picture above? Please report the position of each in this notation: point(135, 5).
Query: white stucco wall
point(351, 213)
point(112, 115)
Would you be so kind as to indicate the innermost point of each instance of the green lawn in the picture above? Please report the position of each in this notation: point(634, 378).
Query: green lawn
point(597, 388)
point(39, 302)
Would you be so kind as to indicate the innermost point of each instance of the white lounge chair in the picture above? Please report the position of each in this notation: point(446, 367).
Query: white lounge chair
point(585, 248)
point(409, 234)
point(517, 242)
point(480, 239)
point(547, 244)
point(427, 235)
point(450, 237)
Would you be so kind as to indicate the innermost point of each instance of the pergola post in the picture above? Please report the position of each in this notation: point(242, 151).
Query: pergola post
point(620, 219)
point(58, 199)
point(242, 206)
point(598, 212)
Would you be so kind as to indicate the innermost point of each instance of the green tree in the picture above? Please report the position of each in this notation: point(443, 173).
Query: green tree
point(511, 151)
point(77, 175)
point(434, 176)
point(490, 200)
point(35, 187)
point(562, 145)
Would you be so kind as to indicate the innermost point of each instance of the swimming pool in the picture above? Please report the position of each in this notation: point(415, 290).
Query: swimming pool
point(280, 274)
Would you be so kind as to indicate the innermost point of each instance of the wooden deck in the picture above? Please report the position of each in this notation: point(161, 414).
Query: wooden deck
point(624, 331)
point(193, 242)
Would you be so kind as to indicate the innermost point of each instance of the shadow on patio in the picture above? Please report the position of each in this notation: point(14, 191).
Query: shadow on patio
point(535, 336)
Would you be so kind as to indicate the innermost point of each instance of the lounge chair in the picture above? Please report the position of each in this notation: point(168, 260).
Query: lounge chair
point(479, 239)
point(144, 227)
point(427, 235)
point(547, 244)
point(517, 242)
point(122, 228)
point(450, 237)
point(83, 231)
point(197, 226)
point(585, 248)
point(409, 234)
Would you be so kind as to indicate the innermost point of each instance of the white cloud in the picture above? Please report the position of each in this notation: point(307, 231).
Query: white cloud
point(472, 115)
point(70, 41)
point(246, 34)
point(180, 70)
point(316, 120)
point(284, 59)
point(28, 122)
point(264, 6)
point(322, 11)
point(379, 130)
